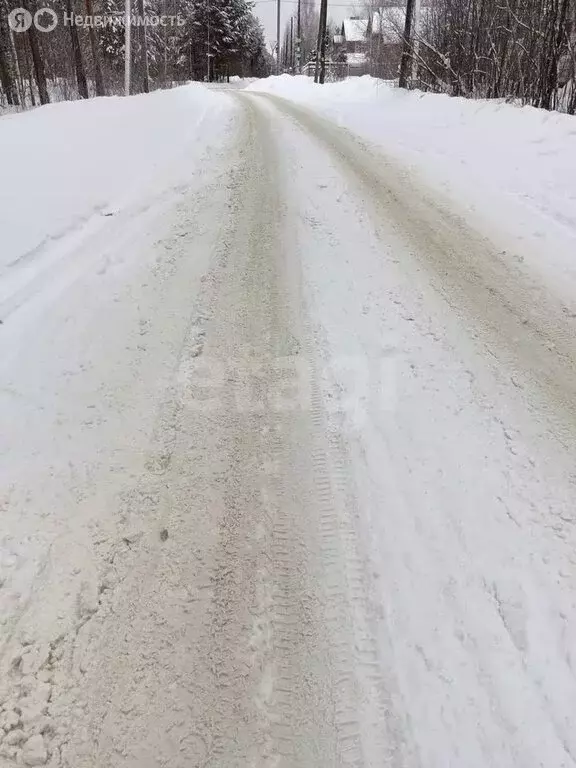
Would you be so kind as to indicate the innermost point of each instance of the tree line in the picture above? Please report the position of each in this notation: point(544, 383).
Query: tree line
point(213, 39)
point(522, 50)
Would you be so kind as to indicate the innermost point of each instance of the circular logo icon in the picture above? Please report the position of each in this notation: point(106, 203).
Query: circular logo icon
point(20, 20)
point(45, 19)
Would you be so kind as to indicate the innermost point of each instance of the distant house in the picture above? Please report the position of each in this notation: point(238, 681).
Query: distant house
point(351, 44)
point(375, 44)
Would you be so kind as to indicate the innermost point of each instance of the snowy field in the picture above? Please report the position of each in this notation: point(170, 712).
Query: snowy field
point(288, 428)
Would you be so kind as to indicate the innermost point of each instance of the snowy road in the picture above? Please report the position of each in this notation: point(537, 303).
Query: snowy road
point(289, 475)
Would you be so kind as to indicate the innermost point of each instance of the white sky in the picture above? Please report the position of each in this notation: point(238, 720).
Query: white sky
point(266, 12)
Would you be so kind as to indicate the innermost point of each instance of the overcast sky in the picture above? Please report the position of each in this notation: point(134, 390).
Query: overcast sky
point(266, 12)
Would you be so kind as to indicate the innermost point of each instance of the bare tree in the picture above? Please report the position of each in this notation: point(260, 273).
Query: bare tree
point(37, 59)
point(405, 63)
point(519, 49)
point(77, 54)
point(143, 42)
point(7, 65)
point(98, 75)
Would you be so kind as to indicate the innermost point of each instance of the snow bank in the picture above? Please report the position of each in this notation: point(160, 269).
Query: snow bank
point(235, 82)
point(64, 163)
point(93, 310)
point(511, 168)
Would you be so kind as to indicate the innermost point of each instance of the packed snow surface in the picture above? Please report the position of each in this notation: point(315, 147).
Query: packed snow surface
point(288, 429)
point(511, 168)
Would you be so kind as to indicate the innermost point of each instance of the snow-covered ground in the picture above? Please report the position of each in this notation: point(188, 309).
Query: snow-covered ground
point(66, 164)
point(464, 483)
point(288, 427)
point(93, 199)
point(511, 169)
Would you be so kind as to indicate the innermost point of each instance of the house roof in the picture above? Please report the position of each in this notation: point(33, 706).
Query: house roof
point(355, 30)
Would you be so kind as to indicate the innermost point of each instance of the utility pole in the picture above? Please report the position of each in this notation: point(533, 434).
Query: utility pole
point(416, 46)
point(298, 42)
point(165, 47)
point(208, 48)
point(407, 48)
point(127, 47)
point(323, 21)
point(292, 44)
point(278, 66)
point(143, 48)
point(321, 43)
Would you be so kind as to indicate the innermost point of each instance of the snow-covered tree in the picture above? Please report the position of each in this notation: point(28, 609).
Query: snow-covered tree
point(71, 62)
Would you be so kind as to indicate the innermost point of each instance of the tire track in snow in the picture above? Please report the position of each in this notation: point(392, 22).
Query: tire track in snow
point(519, 323)
point(231, 642)
point(367, 730)
point(538, 691)
point(308, 691)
